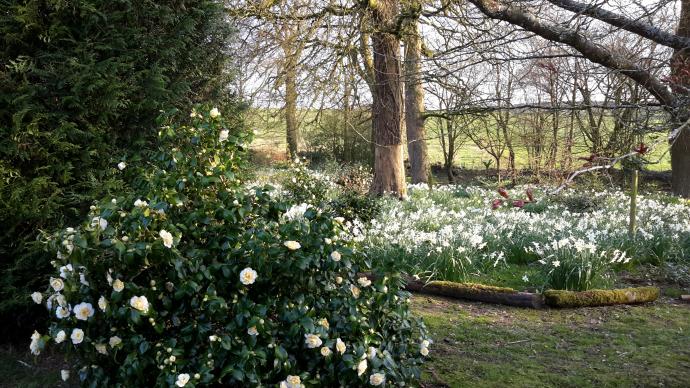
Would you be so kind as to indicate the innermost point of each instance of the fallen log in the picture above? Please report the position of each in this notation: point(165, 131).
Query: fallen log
point(480, 292)
point(562, 298)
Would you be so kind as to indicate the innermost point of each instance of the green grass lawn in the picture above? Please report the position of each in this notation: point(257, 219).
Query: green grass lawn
point(481, 345)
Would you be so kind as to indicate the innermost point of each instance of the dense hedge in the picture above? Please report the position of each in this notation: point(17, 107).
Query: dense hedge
point(81, 82)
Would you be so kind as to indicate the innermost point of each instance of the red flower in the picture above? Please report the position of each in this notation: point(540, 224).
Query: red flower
point(641, 149)
point(496, 204)
point(519, 203)
point(503, 193)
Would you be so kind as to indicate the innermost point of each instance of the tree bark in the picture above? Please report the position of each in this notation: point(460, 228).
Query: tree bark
point(389, 173)
point(291, 110)
point(680, 75)
point(414, 107)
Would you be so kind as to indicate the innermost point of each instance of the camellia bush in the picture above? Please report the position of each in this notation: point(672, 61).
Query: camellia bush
point(198, 281)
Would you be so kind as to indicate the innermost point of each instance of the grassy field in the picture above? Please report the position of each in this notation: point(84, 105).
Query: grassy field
point(270, 139)
point(480, 345)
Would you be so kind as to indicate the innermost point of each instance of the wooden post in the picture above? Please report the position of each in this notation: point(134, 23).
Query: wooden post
point(632, 226)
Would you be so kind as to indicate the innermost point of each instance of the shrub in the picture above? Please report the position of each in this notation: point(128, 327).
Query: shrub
point(199, 281)
point(355, 206)
point(80, 82)
point(302, 185)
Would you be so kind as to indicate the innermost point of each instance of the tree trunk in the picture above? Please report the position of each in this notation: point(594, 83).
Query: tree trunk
point(414, 108)
point(389, 173)
point(291, 110)
point(680, 74)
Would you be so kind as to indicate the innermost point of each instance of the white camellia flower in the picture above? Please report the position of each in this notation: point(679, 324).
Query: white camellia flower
point(213, 338)
point(57, 284)
point(364, 282)
point(252, 331)
point(118, 285)
point(326, 351)
point(355, 290)
point(114, 341)
point(83, 311)
point(223, 135)
point(167, 238)
point(338, 279)
point(182, 379)
point(292, 382)
point(37, 297)
point(122, 166)
point(101, 348)
point(102, 223)
point(292, 245)
point(335, 256)
point(77, 336)
point(140, 204)
point(35, 345)
point(65, 270)
point(362, 367)
point(140, 303)
point(424, 351)
point(82, 279)
point(340, 346)
point(371, 353)
point(214, 113)
point(339, 219)
point(62, 312)
point(312, 341)
point(248, 276)
point(102, 303)
point(60, 336)
point(324, 322)
point(377, 379)
point(64, 374)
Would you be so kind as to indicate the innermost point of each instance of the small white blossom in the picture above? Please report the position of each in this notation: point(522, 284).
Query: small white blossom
point(37, 297)
point(182, 379)
point(248, 276)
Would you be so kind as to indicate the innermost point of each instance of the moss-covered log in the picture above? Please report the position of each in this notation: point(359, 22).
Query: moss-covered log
point(480, 292)
point(561, 298)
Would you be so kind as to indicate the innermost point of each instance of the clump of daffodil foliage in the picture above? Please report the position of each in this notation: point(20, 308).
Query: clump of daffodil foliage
point(196, 280)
